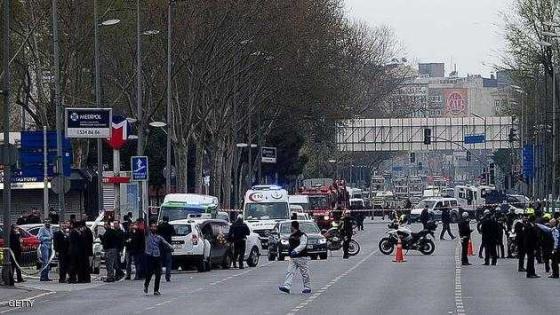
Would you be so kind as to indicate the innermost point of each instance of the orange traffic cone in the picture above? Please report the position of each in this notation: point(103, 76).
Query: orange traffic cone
point(399, 257)
point(470, 249)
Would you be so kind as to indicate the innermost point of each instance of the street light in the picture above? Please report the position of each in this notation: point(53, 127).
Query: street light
point(110, 22)
point(158, 124)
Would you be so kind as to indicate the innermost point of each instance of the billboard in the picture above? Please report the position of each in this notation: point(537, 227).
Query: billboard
point(456, 102)
point(88, 122)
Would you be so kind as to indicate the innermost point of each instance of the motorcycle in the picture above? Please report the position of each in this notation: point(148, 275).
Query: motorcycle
point(409, 240)
point(335, 241)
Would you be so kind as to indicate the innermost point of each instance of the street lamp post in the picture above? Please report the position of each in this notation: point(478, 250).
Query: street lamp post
point(169, 105)
point(59, 111)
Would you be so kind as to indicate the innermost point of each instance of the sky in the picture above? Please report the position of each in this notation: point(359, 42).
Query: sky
point(468, 33)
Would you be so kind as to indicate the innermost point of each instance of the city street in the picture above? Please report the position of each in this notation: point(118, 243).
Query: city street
point(369, 283)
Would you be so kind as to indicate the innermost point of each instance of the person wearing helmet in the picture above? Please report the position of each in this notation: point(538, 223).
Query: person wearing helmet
point(465, 235)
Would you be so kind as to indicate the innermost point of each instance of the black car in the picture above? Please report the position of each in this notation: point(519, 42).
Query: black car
point(216, 232)
point(278, 240)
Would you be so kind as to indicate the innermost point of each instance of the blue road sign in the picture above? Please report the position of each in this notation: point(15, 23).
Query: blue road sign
point(474, 139)
point(139, 165)
point(31, 156)
point(528, 161)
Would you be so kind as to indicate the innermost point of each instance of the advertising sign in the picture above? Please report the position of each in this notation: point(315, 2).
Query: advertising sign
point(88, 122)
point(119, 133)
point(456, 102)
point(268, 155)
point(139, 165)
point(528, 161)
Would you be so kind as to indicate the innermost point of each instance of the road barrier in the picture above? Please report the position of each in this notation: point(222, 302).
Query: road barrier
point(399, 256)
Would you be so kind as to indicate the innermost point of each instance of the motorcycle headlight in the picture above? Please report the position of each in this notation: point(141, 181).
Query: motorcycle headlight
point(284, 242)
point(322, 241)
point(326, 217)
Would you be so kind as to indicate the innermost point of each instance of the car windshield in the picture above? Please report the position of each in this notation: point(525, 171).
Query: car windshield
point(304, 205)
point(318, 202)
point(179, 213)
point(182, 229)
point(266, 211)
point(305, 227)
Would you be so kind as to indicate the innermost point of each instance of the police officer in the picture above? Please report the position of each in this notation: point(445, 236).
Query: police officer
point(531, 239)
point(519, 229)
point(446, 220)
point(424, 217)
point(488, 230)
point(346, 231)
point(238, 233)
point(465, 235)
point(15, 246)
point(297, 248)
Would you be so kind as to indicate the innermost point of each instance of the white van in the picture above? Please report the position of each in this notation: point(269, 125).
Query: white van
point(435, 205)
point(264, 206)
point(300, 200)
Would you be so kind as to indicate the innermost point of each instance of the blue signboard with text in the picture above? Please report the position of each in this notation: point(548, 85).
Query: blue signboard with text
point(32, 158)
point(475, 138)
point(139, 166)
point(528, 161)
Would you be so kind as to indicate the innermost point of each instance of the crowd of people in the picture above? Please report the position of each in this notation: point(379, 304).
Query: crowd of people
point(531, 236)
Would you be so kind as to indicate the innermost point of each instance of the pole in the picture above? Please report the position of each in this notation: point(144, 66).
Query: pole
point(117, 186)
point(7, 167)
point(59, 112)
point(45, 174)
point(169, 114)
point(139, 114)
point(98, 105)
point(554, 136)
point(249, 155)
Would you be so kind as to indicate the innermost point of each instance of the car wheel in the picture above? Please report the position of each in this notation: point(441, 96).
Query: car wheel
point(281, 257)
point(226, 263)
point(323, 256)
point(253, 259)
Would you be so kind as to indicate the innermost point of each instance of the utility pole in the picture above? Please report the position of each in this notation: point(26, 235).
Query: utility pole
point(554, 140)
point(98, 105)
point(59, 112)
point(140, 148)
point(169, 100)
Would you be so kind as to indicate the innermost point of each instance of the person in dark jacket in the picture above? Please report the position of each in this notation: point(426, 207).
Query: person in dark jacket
point(465, 235)
point(86, 253)
point(519, 229)
point(166, 231)
point(53, 216)
point(547, 242)
point(15, 246)
point(297, 249)
point(34, 217)
point(61, 245)
point(238, 233)
point(425, 217)
point(488, 230)
point(136, 247)
point(346, 232)
point(74, 252)
point(23, 218)
point(446, 221)
point(110, 245)
point(154, 245)
point(531, 239)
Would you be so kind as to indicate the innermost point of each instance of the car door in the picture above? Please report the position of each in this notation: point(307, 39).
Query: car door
point(206, 230)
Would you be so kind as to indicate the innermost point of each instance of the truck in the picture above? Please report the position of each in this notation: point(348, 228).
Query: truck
point(322, 202)
point(263, 207)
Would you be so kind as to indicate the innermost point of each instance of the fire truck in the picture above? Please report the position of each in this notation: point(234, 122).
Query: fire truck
point(324, 199)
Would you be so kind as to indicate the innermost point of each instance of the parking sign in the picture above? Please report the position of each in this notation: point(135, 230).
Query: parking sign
point(139, 165)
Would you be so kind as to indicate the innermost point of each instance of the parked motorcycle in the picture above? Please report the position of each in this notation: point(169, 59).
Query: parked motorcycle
point(410, 241)
point(335, 241)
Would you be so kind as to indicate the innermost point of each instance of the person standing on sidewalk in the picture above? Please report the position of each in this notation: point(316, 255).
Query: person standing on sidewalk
point(446, 221)
point(465, 235)
point(110, 245)
point(298, 254)
point(166, 231)
point(238, 233)
point(45, 236)
point(61, 245)
point(15, 246)
point(154, 246)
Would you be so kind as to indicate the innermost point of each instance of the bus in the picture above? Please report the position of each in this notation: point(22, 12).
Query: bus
point(186, 206)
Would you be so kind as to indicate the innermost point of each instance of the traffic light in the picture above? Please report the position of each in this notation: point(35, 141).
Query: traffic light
point(427, 136)
point(468, 156)
point(412, 157)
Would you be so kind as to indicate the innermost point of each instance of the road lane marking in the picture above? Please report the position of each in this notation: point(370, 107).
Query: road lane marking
point(29, 298)
point(327, 286)
point(459, 306)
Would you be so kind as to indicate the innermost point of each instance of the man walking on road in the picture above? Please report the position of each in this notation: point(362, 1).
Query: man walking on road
point(465, 235)
point(238, 233)
point(446, 220)
point(45, 236)
point(166, 231)
point(297, 248)
point(154, 245)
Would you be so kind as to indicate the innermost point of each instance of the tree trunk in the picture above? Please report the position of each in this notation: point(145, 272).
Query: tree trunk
point(182, 166)
point(198, 167)
point(227, 182)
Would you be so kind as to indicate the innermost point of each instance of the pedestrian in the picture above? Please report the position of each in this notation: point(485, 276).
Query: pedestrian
point(446, 221)
point(519, 229)
point(74, 251)
point(23, 218)
point(45, 236)
point(167, 231)
point(465, 235)
point(425, 217)
point(136, 247)
point(346, 231)
point(53, 216)
point(298, 253)
point(488, 230)
point(238, 233)
point(109, 240)
point(547, 243)
point(86, 254)
point(154, 245)
point(531, 242)
point(498, 228)
point(556, 248)
point(61, 246)
point(15, 246)
point(34, 217)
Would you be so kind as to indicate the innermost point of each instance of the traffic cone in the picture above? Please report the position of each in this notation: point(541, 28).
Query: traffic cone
point(470, 251)
point(399, 257)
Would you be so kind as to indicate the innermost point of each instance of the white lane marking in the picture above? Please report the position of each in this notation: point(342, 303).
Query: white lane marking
point(29, 298)
point(459, 306)
point(325, 288)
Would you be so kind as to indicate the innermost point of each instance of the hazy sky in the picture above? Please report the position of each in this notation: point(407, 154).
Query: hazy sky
point(469, 32)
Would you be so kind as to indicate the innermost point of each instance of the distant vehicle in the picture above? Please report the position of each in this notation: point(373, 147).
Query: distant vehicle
point(300, 200)
point(180, 206)
point(435, 205)
point(301, 216)
point(29, 243)
point(377, 184)
point(278, 240)
point(415, 186)
point(518, 201)
point(34, 228)
point(383, 201)
point(322, 201)
point(264, 206)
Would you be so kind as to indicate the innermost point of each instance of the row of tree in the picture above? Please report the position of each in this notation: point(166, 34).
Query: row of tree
point(268, 72)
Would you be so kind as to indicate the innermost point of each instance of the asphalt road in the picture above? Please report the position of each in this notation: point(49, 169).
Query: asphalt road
point(369, 283)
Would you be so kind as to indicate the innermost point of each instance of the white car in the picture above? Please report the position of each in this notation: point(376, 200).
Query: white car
point(190, 246)
point(253, 249)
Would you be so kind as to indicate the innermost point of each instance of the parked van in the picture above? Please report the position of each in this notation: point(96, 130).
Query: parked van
point(435, 205)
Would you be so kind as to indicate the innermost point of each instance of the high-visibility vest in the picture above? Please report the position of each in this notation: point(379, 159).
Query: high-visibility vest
point(530, 210)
